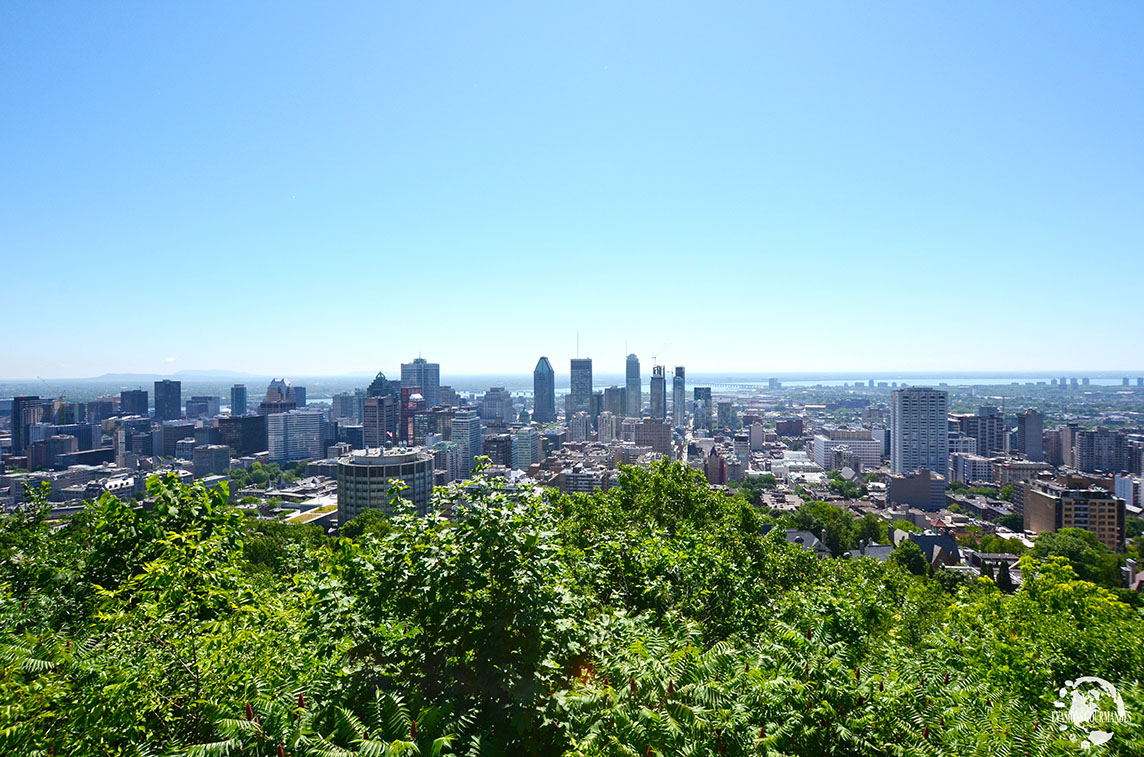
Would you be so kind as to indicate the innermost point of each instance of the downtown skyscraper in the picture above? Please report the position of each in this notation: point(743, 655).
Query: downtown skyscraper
point(658, 393)
point(168, 400)
point(580, 393)
point(425, 375)
point(919, 433)
point(543, 392)
point(634, 388)
point(678, 397)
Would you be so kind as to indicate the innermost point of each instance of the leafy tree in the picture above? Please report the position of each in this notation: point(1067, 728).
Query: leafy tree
point(1006, 493)
point(905, 525)
point(1091, 560)
point(1004, 580)
point(871, 529)
point(910, 556)
point(369, 521)
point(1013, 522)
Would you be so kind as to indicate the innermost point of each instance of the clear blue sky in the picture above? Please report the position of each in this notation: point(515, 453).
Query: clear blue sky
point(305, 188)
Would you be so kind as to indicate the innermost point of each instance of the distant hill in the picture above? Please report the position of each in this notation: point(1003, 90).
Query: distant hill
point(185, 374)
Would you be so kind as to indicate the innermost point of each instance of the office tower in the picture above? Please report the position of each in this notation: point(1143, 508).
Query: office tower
point(634, 388)
point(426, 375)
point(280, 398)
point(615, 401)
point(496, 406)
point(607, 427)
point(987, 426)
point(1051, 505)
point(1100, 450)
point(100, 410)
point(678, 399)
point(295, 435)
point(211, 460)
point(168, 400)
point(919, 430)
point(527, 447)
point(1031, 435)
point(365, 480)
point(580, 394)
point(202, 406)
point(26, 411)
point(168, 434)
point(543, 392)
point(412, 402)
point(379, 421)
point(654, 434)
point(133, 402)
point(300, 396)
point(447, 459)
point(703, 394)
point(467, 435)
point(238, 400)
point(658, 393)
point(725, 414)
point(244, 434)
point(581, 426)
point(347, 406)
point(500, 449)
point(383, 387)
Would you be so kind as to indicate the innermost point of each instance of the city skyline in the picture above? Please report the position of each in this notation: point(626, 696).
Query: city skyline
point(906, 169)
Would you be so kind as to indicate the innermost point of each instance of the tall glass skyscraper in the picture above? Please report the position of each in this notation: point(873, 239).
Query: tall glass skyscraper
point(678, 397)
point(425, 375)
point(544, 392)
point(168, 400)
point(658, 393)
point(635, 390)
point(238, 399)
point(580, 396)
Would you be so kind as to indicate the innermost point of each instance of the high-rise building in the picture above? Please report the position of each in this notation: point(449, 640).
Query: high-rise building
point(467, 434)
point(238, 400)
point(1031, 435)
point(501, 450)
point(447, 458)
point(365, 480)
point(615, 400)
point(634, 388)
point(133, 402)
point(678, 397)
point(543, 392)
point(211, 460)
point(347, 406)
point(280, 397)
point(527, 447)
point(703, 394)
point(426, 375)
point(581, 427)
point(496, 405)
point(658, 393)
point(654, 434)
point(412, 402)
point(919, 430)
point(379, 421)
point(202, 406)
point(987, 426)
point(26, 411)
point(244, 434)
point(168, 400)
point(1051, 505)
point(1100, 450)
point(580, 393)
point(606, 427)
point(295, 435)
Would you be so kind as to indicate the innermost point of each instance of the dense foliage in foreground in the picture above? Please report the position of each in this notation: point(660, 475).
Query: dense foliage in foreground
point(655, 618)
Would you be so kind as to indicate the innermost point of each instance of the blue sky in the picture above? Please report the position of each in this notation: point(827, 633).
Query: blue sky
point(295, 188)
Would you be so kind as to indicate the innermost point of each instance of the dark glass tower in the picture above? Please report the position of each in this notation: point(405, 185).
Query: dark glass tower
point(580, 395)
point(634, 388)
point(168, 400)
point(544, 392)
point(238, 400)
